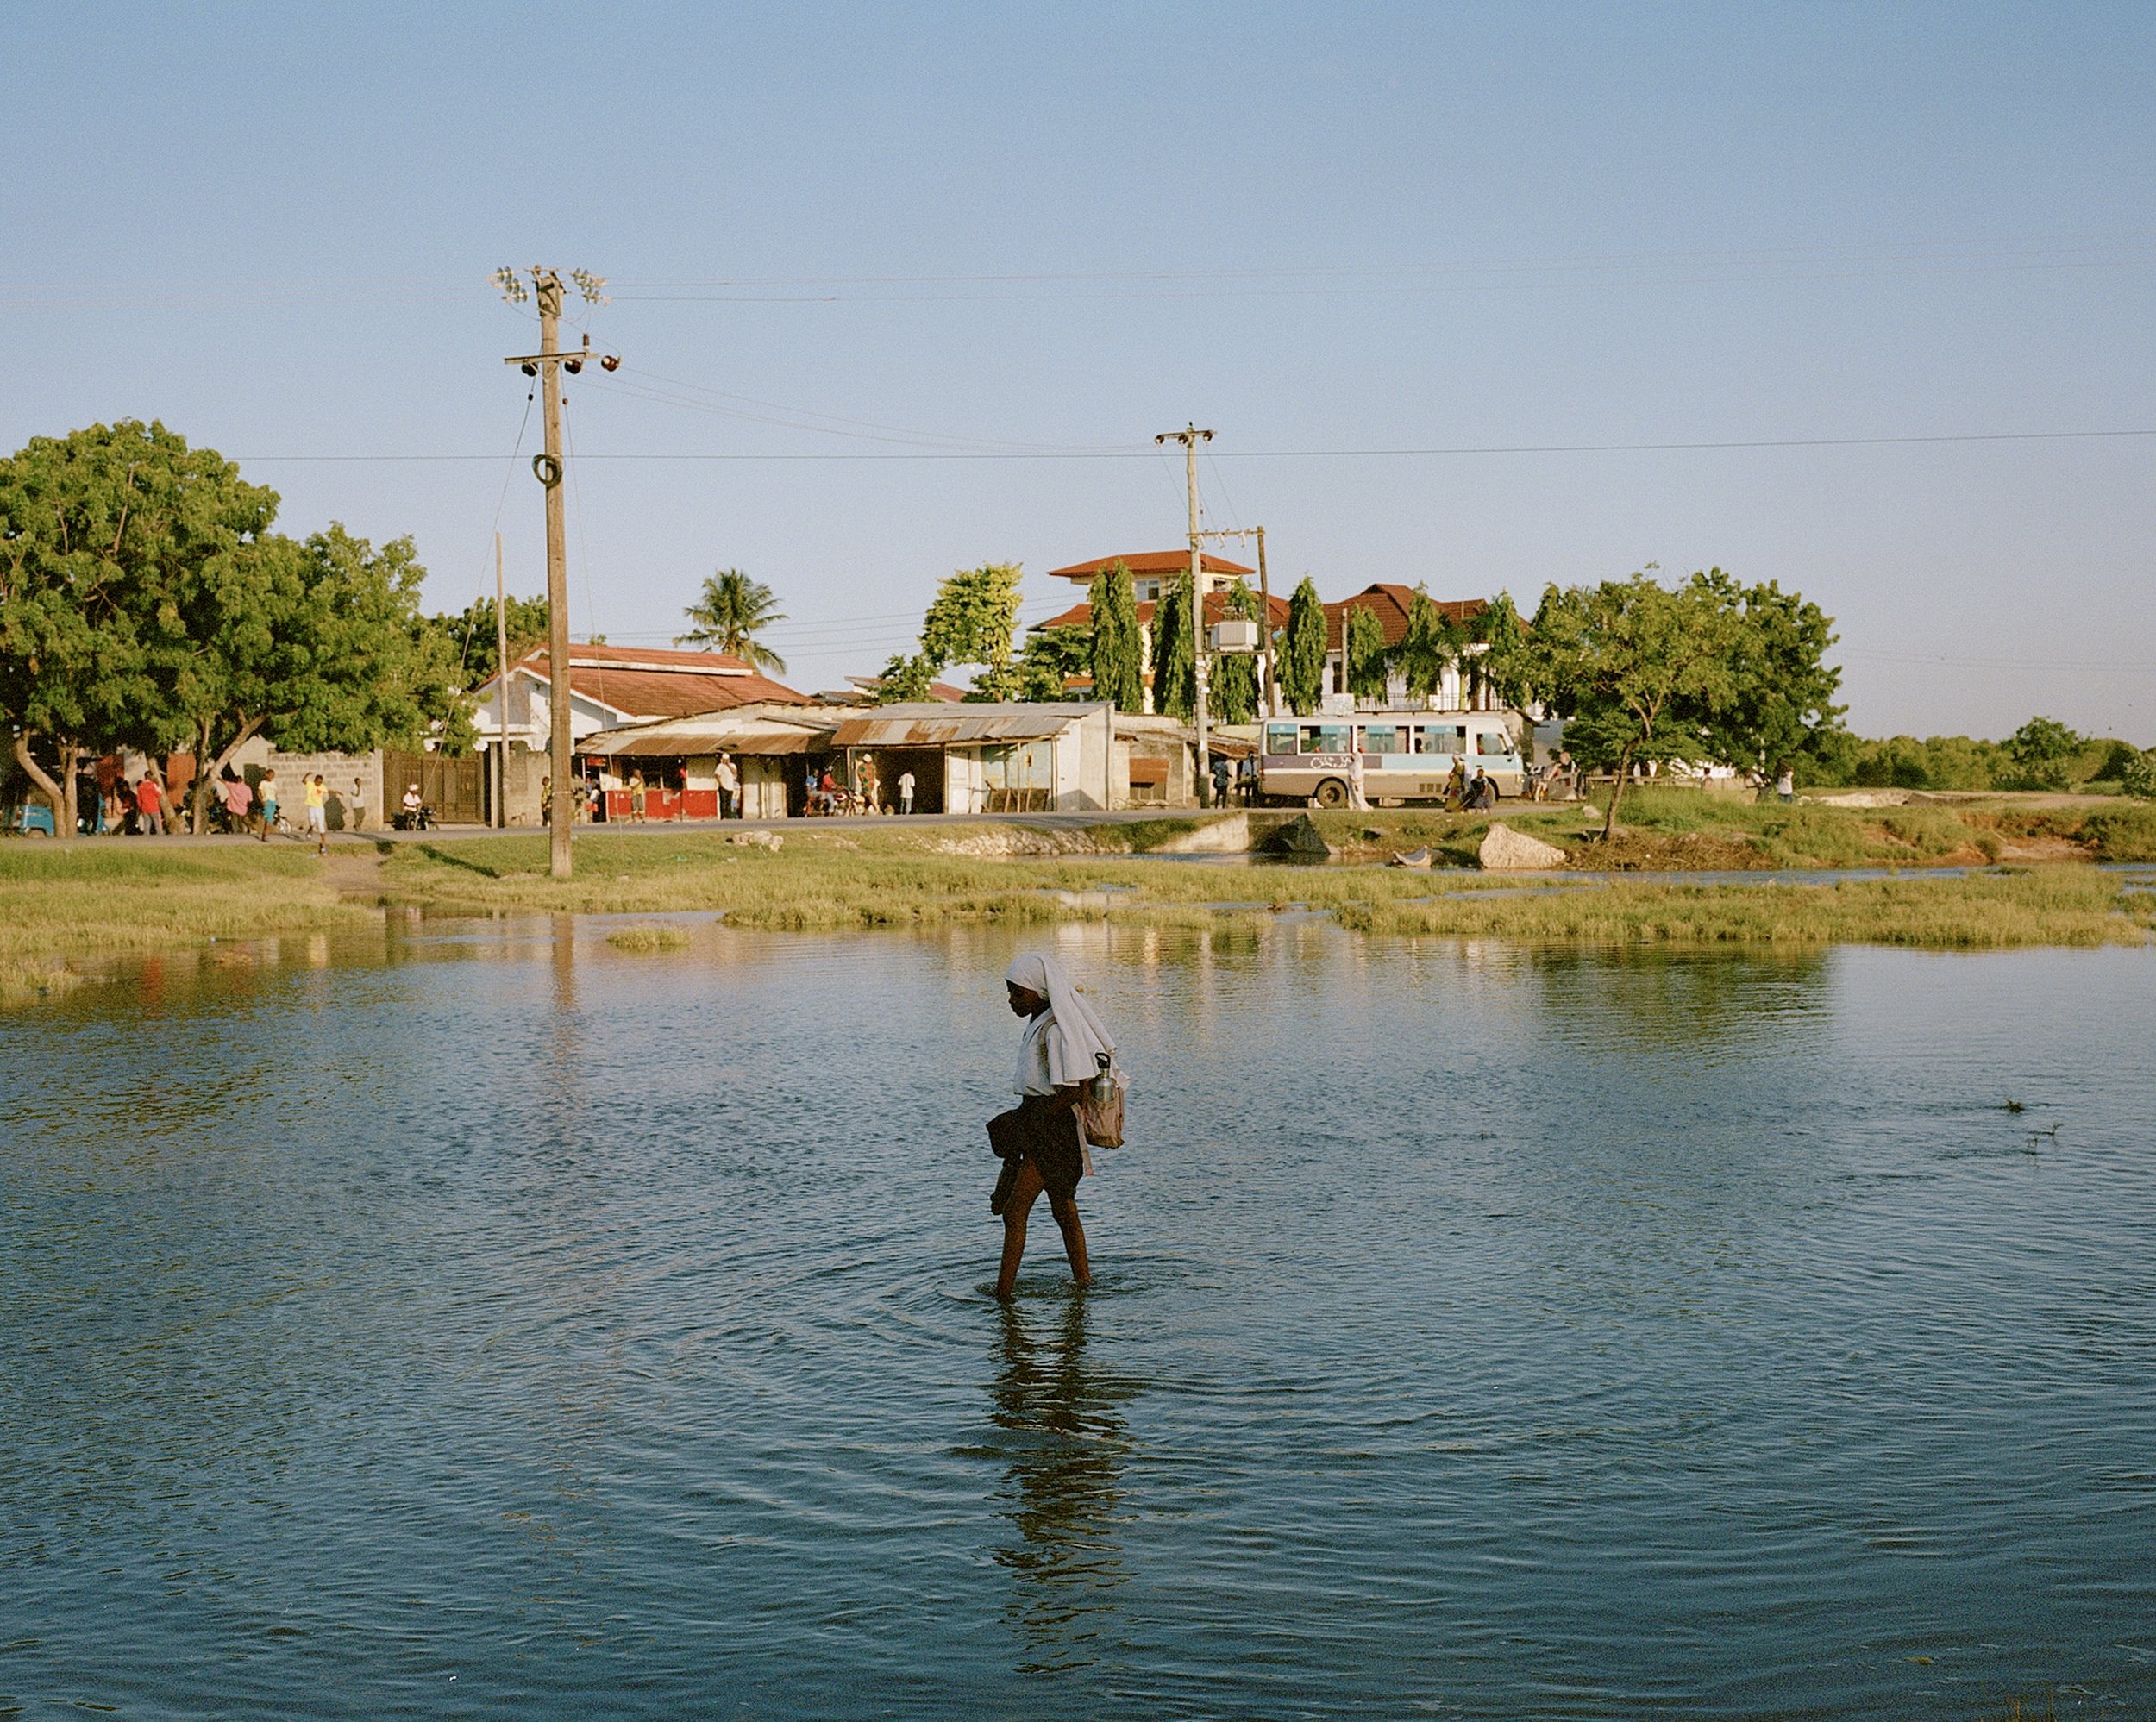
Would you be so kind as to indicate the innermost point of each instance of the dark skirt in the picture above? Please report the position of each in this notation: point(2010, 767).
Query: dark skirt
point(1043, 1128)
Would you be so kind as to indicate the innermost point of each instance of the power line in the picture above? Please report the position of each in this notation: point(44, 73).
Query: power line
point(1433, 453)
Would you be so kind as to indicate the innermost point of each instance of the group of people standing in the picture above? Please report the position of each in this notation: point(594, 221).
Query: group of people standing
point(112, 804)
point(828, 796)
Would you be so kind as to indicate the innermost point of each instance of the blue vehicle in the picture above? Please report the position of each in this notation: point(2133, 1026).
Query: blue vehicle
point(29, 821)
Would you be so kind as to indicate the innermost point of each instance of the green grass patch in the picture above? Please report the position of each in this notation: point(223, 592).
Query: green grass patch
point(2059, 905)
point(64, 906)
point(649, 939)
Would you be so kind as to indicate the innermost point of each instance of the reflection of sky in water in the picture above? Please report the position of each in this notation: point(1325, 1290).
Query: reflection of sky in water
point(478, 1320)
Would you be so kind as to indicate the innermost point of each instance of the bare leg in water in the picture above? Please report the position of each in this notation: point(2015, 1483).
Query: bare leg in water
point(1065, 1208)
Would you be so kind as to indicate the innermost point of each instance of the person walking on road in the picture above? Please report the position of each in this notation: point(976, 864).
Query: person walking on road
point(905, 792)
point(1041, 1140)
point(266, 800)
point(729, 787)
point(318, 794)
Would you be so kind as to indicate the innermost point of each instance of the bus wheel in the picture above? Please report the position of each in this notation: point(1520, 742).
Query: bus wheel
point(1332, 793)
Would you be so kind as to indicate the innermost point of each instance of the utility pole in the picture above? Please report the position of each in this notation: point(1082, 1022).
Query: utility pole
point(1190, 436)
point(1264, 600)
point(547, 364)
point(501, 689)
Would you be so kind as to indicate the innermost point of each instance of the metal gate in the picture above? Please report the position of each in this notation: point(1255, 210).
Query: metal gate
point(454, 788)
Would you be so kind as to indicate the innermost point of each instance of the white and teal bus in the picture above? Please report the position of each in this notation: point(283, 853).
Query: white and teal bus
point(1405, 755)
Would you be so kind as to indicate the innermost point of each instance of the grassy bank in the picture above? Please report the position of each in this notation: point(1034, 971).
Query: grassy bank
point(62, 907)
point(857, 878)
point(1682, 831)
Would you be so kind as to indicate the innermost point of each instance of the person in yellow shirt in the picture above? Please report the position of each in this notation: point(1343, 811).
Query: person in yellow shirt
point(318, 812)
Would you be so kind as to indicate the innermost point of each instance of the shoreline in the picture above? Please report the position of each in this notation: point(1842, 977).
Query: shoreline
point(1929, 884)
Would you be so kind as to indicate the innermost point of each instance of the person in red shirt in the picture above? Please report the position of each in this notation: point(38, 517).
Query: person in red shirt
point(149, 805)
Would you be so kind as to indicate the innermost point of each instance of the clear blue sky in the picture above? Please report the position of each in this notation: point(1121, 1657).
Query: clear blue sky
point(1003, 229)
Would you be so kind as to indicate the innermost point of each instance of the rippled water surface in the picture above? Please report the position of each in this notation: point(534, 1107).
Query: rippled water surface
point(491, 1323)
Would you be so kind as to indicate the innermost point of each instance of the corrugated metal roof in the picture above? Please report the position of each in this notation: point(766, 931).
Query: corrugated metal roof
point(943, 726)
point(733, 732)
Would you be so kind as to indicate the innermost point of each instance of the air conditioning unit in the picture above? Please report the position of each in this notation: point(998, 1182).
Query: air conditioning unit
point(1234, 635)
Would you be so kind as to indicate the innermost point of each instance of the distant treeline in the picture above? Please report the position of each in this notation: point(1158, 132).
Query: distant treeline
point(2042, 754)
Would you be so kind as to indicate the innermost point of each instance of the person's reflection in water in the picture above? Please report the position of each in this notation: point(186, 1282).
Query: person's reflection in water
point(1065, 1443)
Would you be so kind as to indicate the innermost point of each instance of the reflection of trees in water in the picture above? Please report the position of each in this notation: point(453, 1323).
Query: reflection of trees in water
point(1064, 1443)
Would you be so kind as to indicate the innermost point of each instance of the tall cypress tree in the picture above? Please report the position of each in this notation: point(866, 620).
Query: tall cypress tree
point(1302, 653)
point(1364, 649)
point(1174, 674)
point(1119, 648)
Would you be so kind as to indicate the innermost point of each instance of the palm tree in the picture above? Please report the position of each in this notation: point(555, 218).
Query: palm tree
point(729, 613)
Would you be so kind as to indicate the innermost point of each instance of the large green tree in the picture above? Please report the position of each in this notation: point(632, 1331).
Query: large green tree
point(1634, 669)
point(1050, 658)
point(100, 531)
point(1174, 666)
point(2042, 749)
point(1118, 641)
point(1233, 689)
point(317, 646)
point(1779, 707)
point(470, 634)
point(728, 615)
point(1301, 662)
point(970, 621)
point(1362, 648)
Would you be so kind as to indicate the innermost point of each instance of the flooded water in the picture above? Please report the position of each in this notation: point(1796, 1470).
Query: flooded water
point(490, 1323)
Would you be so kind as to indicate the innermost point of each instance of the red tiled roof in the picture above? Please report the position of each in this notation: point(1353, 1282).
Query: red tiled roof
point(1151, 562)
point(1389, 603)
point(641, 682)
point(1216, 609)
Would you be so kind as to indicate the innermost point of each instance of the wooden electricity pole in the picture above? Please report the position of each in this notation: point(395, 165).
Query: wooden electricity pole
point(1264, 603)
point(501, 689)
point(1190, 436)
point(547, 364)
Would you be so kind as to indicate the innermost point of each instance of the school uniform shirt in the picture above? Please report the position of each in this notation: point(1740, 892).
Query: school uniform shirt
point(1033, 1076)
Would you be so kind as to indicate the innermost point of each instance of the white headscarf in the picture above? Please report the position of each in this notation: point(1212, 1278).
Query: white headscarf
point(1075, 1036)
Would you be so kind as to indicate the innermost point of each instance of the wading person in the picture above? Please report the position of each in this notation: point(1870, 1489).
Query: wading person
point(1040, 1140)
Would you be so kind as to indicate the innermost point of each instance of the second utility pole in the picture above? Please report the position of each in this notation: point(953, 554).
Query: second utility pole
point(1190, 436)
point(562, 812)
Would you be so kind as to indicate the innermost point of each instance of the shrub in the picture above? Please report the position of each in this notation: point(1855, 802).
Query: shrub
point(2137, 776)
point(2042, 750)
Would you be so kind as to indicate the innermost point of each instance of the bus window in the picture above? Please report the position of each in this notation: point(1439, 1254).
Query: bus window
point(1380, 738)
point(1443, 738)
point(1280, 738)
point(1332, 738)
point(1494, 747)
